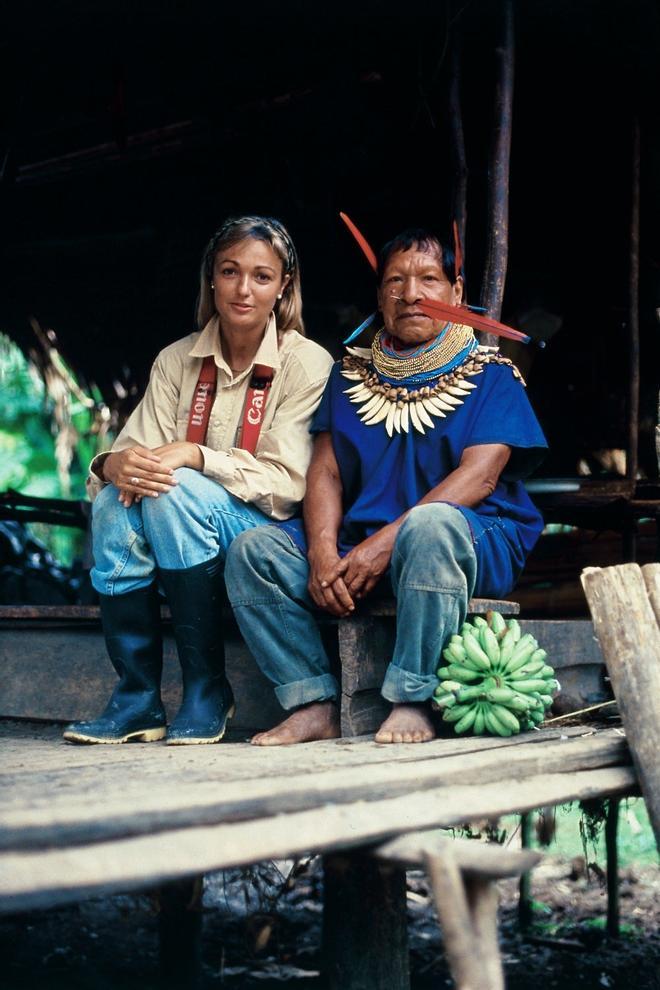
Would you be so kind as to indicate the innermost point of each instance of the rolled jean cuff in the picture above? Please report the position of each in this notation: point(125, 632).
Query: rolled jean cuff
point(400, 686)
point(321, 688)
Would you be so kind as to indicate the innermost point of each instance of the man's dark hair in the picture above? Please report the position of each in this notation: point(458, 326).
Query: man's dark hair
point(425, 240)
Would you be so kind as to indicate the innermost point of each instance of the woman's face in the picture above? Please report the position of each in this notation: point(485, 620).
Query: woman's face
point(410, 276)
point(247, 279)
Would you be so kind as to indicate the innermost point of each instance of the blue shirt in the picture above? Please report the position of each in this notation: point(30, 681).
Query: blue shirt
point(382, 477)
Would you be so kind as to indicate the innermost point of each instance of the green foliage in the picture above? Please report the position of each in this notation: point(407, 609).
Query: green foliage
point(50, 430)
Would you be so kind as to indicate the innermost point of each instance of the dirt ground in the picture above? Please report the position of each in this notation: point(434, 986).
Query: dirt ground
point(262, 933)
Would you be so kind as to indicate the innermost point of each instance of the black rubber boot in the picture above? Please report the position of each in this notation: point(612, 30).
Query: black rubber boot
point(131, 625)
point(195, 596)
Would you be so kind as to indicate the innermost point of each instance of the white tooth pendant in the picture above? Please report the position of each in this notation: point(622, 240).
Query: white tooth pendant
point(353, 376)
point(397, 417)
point(389, 422)
point(432, 407)
point(354, 389)
point(362, 396)
point(405, 417)
point(423, 415)
point(414, 418)
point(372, 407)
point(466, 385)
point(379, 416)
point(451, 399)
point(439, 401)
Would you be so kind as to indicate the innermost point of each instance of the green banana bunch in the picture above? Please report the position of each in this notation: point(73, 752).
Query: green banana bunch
point(496, 678)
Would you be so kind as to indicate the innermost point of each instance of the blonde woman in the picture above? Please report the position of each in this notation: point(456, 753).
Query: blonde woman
point(218, 444)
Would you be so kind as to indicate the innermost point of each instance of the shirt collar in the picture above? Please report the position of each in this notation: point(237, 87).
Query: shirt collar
point(208, 343)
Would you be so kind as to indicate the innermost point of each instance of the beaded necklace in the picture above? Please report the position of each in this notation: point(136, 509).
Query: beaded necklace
point(446, 351)
point(428, 390)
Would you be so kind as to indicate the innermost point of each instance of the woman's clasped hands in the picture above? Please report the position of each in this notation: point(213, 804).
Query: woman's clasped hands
point(139, 472)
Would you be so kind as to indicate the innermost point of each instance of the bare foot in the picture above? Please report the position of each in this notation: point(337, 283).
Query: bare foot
point(319, 720)
point(406, 724)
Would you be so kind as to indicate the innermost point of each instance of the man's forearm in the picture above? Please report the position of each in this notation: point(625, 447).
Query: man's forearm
point(322, 508)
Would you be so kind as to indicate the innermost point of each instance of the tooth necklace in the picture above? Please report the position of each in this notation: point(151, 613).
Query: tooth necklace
point(415, 387)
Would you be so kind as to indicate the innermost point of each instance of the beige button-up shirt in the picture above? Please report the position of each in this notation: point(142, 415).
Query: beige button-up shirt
point(273, 478)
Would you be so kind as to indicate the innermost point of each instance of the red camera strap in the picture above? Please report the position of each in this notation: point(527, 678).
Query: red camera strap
point(253, 413)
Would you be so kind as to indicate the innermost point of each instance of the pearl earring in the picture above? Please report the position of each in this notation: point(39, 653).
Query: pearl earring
point(212, 285)
point(279, 295)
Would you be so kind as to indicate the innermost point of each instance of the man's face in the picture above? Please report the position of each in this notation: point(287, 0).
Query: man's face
point(410, 276)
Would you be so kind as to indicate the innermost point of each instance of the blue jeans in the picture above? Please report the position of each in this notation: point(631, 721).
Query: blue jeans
point(194, 522)
point(433, 574)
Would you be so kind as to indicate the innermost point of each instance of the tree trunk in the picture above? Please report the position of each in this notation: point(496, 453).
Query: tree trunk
point(498, 175)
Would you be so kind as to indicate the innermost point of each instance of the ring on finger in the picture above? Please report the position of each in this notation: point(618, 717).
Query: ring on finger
point(135, 481)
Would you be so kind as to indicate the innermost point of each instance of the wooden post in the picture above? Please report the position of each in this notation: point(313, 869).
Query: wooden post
point(611, 828)
point(525, 882)
point(365, 932)
point(633, 317)
point(180, 933)
point(629, 638)
point(498, 175)
point(651, 575)
point(459, 191)
point(467, 912)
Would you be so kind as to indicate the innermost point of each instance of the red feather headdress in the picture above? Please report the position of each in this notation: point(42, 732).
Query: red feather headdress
point(437, 310)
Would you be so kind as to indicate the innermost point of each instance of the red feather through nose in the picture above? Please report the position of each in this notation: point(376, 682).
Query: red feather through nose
point(461, 314)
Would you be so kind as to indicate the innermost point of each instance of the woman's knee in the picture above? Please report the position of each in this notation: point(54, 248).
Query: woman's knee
point(108, 513)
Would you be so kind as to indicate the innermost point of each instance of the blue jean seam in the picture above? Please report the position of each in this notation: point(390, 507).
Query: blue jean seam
point(487, 529)
point(121, 563)
point(440, 590)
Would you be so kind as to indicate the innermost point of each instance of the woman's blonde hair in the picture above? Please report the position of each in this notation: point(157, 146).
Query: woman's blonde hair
point(288, 310)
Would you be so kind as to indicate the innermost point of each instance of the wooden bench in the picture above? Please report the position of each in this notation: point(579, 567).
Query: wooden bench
point(54, 665)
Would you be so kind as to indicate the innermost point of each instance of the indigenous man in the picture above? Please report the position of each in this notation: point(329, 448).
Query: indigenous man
point(420, 446)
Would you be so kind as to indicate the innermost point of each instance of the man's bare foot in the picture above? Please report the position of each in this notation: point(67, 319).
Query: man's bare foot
point(406, 724)
point(319, 720)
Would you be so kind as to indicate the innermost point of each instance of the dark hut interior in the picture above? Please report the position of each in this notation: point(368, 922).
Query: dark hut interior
point(132, 129)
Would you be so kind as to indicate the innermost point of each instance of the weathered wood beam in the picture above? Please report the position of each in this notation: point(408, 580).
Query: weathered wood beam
point(467, 911)
point(486, 859)
point(629, 638)
point(651, 575)
point(498, 173)
point(61, 875)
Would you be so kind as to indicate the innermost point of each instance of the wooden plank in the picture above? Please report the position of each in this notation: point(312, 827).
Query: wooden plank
point(629, 636)
point(63, 672)
point(92, 613)
point(56, 876)
point(29, 748)
point(471, 856)
point(57, 808)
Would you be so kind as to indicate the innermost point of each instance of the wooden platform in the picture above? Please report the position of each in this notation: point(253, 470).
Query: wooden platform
point(79, 821)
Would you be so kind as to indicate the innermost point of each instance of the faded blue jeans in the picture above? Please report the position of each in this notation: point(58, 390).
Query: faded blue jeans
point(194, 522)
point(433, 574)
